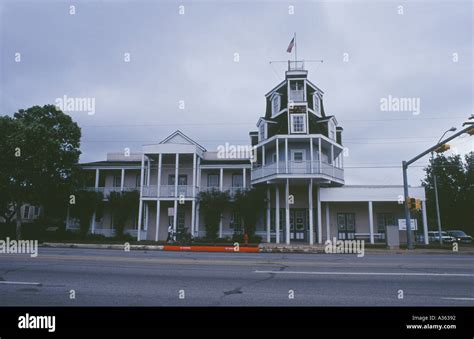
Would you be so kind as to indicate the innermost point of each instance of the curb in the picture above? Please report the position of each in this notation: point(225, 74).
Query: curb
point(241, 249)
point(175, 248)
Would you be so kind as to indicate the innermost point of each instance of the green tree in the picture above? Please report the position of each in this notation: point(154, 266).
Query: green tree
point(212, 204)
point(84, 206)
point(250, 203)
point(123, 205)
point(39, 150)
point(455, 191)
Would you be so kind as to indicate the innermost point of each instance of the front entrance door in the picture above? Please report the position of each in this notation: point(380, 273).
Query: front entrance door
point(298, 224)
point(345, 226)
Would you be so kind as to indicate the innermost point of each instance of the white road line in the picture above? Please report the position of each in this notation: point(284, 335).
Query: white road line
point(373, 273)
point(19, 283)
point(453, 298)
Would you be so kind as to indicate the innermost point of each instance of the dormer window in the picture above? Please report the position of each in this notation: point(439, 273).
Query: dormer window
point(298, 123)
point(261, 132)
point(275, 104)
point(317, 104)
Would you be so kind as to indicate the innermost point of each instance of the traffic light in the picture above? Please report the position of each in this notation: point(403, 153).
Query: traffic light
point(442, 148)
point(418, 204)
point(414, 204)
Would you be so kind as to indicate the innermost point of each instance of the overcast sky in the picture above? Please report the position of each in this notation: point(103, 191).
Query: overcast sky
point(190, 57)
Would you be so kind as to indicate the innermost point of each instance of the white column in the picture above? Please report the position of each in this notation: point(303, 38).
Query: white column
point(194, 175)
point(286, 155)
point(332, 160)
point(197, 220)
point(122, 179)
point(96, 185)
point(140, 204)
point(287, 211)
point(67, 218)
point(148, 173)
point(96, 189)
point(320, 157)
point(425, 222)
point(328, 222)
point(371, 222)
point(263, 155)
point(244, 177)
point(318, 206)
point(268, 215)
point(310, 199)
point(311, 153)
point(193, 216)
point(221, 179)
point(176, 175)
point(175, 215)
point(157, 231)
point(158, 176)
point(277, 156)
point(146, 206)
point(277, 213)
point(221, 188)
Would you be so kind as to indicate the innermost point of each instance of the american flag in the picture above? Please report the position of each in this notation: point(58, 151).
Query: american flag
point(290, 46)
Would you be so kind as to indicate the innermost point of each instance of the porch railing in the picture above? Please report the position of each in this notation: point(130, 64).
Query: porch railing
point(297, 167)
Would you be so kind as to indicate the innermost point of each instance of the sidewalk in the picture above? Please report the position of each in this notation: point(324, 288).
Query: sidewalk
point(262, 248)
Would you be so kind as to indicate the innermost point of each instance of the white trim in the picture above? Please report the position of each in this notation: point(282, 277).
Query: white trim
point(292, 129)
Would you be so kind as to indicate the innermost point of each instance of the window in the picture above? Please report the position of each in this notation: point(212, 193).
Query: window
point(213, 180)
point(298, 156)
point(235, 221)
point(37, 210)
point(276, 104)
point(384, 220)
point(262, 131)
point(26, 212)
point(297, 90)
point(137, 180)
point(117, 180)
point(316, 104)
point(237, 180)
point(182, 180)
point(181, 219)
point(298, 123)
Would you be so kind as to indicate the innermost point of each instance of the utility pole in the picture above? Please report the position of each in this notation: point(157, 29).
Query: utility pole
point(405, 165)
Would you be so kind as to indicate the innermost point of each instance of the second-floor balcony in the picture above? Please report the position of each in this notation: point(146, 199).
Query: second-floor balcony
point(168, 191)
point(296, 168)
point(107, 190)
point(232, 190)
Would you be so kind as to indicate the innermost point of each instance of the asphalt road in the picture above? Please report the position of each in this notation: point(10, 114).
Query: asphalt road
point(118, 278)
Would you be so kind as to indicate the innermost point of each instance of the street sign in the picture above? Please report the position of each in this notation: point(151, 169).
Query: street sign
point(402, 225)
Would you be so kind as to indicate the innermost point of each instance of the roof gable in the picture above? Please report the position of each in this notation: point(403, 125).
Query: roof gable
point(179, 137)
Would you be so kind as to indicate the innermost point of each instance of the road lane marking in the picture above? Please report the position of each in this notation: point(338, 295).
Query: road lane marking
point(20, 283)
point(458, 298)
point(373, 273)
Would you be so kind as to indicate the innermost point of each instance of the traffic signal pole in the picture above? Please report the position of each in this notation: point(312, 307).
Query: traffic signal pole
point(405, 165)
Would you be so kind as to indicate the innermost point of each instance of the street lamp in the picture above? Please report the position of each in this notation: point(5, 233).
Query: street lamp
point(452, 129)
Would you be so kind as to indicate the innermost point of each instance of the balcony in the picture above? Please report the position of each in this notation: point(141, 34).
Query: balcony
point(107, 190)
point(232, 190)
point(297, 167)
point(168, 191)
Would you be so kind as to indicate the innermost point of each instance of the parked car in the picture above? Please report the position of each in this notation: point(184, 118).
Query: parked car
point(460, 236)
point(433, 236)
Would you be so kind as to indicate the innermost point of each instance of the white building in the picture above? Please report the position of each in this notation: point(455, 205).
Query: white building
point(299, 161)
